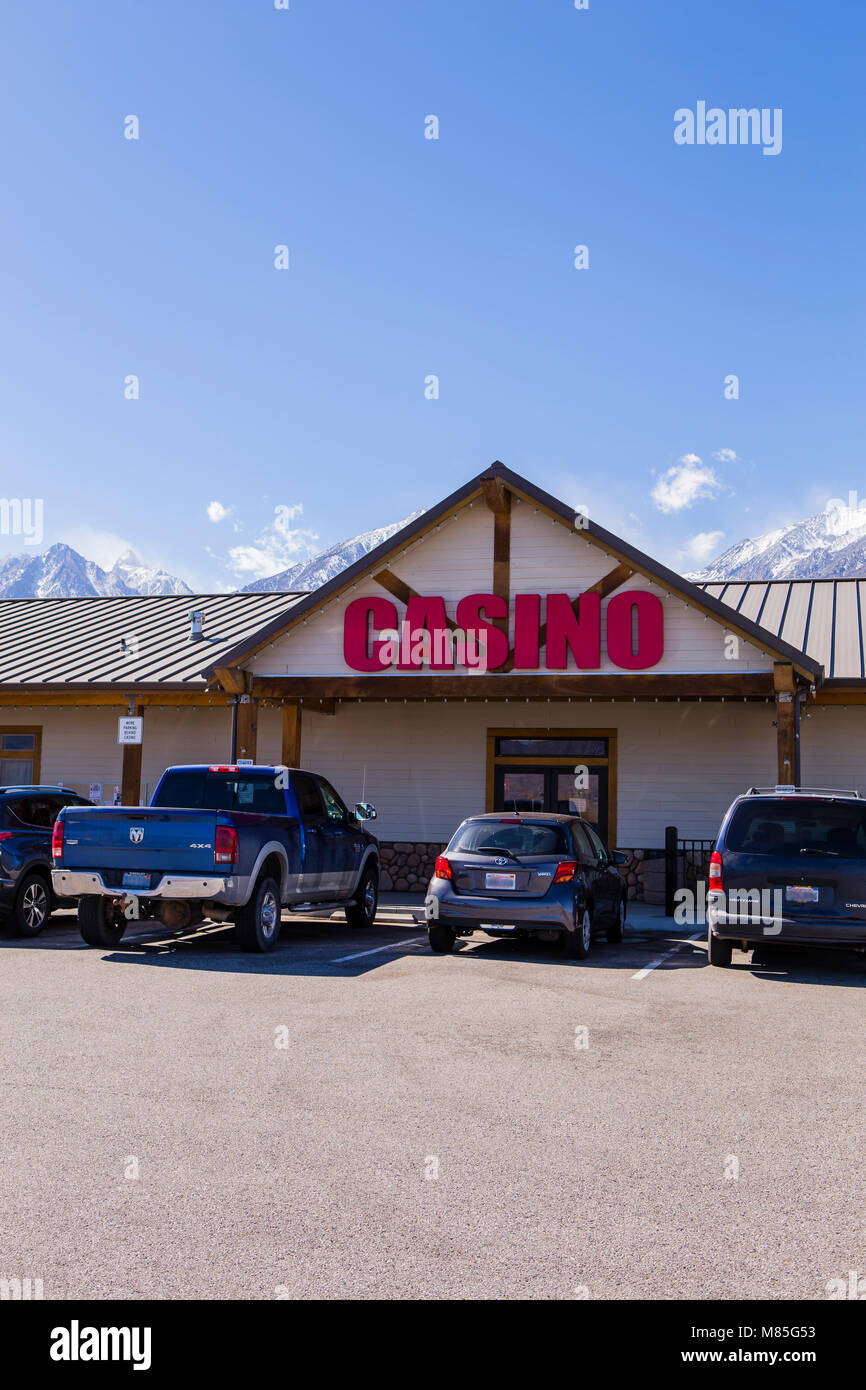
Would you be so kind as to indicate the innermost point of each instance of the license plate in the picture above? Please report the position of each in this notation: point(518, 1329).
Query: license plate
point(134, 880)
point(798, 893)
point(500, 880)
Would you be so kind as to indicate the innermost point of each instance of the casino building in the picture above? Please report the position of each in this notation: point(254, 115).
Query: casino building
point(606, 684)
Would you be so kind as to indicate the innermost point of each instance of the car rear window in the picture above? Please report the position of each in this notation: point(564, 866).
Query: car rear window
point(518, 838)
point(220, 791)
point(797, 827)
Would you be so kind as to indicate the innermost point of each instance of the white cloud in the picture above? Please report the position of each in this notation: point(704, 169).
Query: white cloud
point(704, 546)
point(726, 456)
point(681, 485)
point(217, 512)
point(278, 546)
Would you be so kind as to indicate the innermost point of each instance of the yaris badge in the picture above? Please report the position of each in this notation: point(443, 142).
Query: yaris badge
point(136, 834)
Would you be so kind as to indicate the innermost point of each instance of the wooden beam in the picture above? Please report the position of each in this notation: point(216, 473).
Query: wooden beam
point(231, 679)
point(614, 579)
point(523, 685)
point(496, 495)
point(785, 685)
point(291, 740)
point(401, 591)
point(130, 777)
point(248, 728)
point(19, 696)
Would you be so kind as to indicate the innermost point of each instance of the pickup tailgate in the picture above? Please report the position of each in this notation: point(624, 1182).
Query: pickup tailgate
point(143, 839)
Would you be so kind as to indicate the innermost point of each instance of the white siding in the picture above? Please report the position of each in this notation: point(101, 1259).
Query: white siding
point(546, 557)
point(424, 765)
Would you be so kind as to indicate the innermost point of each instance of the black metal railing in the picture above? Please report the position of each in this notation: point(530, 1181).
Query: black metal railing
point(687, 863)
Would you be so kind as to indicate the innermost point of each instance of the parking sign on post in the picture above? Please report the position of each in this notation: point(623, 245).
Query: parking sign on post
point(129, 728)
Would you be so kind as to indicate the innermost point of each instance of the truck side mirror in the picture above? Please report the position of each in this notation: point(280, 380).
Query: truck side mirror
point(364, 811)
point(619, 857)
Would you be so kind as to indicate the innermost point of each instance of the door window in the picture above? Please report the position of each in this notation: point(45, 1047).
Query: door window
point(598, 845)
point(307, 796)
point(334, 808)
point(583, 844)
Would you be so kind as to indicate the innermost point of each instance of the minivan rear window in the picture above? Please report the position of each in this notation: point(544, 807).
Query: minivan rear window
point(220, 791)
point(797, 827)
point(521, 838)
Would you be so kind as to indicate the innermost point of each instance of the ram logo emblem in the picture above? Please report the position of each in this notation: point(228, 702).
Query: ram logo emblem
point(136, 834)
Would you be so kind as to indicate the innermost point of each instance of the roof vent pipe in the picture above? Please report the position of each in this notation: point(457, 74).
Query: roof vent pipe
point(196, 625)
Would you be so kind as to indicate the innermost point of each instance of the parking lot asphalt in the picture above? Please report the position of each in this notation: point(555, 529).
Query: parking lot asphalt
point(352, 1116)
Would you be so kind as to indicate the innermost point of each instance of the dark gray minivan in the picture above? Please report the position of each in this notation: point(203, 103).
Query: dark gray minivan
point(789, 867)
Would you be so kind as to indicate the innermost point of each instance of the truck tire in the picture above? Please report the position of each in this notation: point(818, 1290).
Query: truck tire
point(32, 907)
point(99, 921)
point(718, 951)
point(257, 924)
point(361, 913)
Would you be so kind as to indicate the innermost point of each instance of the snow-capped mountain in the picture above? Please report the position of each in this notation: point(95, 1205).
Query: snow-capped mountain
point(310, 574)
point(60, 572)
point(829, 545)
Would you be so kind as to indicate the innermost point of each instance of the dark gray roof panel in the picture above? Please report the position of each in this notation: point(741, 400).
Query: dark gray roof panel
point(53, 641)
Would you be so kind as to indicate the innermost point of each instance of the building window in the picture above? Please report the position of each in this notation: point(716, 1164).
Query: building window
point(20, 756)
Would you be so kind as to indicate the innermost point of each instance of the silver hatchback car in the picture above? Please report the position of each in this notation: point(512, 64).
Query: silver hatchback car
point(527, 873)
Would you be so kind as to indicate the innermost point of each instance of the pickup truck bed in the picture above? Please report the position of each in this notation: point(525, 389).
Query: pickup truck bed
point(253, 840)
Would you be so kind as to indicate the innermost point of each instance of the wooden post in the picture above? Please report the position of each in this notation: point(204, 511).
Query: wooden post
point(291, 746)
point(248, 727)
point(786, 732)
point(130, 776)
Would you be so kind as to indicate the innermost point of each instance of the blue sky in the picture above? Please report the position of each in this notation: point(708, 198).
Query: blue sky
point(304, 389)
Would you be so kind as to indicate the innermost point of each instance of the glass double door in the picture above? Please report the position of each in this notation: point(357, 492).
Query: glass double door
point(552, 788)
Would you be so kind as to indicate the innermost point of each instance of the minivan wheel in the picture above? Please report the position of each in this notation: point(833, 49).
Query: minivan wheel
point(577, 942)
point(441, 938)
point(99, 921)
point(362, 912)
point(257, 925)
point(718, 951)
point(616, 929)
point(32, 906)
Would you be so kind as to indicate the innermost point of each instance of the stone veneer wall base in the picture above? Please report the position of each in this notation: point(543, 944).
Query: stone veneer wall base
point(407, 867)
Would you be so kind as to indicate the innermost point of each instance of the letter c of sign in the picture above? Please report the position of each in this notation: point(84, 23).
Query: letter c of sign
point(358, 651)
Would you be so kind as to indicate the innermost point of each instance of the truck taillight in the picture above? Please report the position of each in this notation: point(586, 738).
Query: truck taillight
point(443, 868)
point(57, 840)
point(223, 767)
point(225, 849)
point(565, 871)
point(715, 883)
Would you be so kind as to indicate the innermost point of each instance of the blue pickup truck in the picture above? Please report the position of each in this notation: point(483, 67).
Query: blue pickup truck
point(218, 842)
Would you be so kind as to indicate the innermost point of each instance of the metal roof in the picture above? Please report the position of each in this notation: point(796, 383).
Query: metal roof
point(822, 617)
point(138, 641)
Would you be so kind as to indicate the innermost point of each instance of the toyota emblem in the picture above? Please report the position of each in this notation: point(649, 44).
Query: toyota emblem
point(136, 834)
point(500, 861)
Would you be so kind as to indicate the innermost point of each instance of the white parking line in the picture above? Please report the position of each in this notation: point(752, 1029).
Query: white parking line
point(660, 960)
point(389, 946)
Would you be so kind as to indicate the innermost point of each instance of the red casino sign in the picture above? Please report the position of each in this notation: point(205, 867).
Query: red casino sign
point(375, 639)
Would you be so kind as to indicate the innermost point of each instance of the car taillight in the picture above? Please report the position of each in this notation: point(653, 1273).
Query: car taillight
point(443, 868)
point(565, 871)
point(57, 840)
point(715, 883)
point(6, 834)
point(225, 849)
